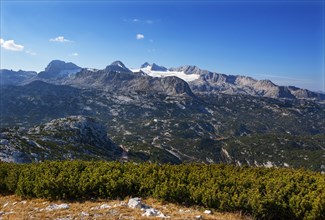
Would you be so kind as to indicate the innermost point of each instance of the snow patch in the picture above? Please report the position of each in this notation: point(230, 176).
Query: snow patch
point(160, 74)
point(92, 70)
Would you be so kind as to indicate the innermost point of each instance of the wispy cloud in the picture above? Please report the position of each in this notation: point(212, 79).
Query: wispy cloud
point(139, 36)
point(10, 45)
point(75, 54)
point(139, 21)
point(60, 39)
point(31, 53)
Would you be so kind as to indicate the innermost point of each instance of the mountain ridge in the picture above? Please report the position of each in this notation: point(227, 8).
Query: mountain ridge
point(199, 81)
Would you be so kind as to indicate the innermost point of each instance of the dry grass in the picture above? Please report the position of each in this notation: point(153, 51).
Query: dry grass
point(13, 207)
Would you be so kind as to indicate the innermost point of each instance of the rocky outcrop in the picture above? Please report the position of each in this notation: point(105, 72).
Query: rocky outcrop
point(135, 203)
point(75, 137)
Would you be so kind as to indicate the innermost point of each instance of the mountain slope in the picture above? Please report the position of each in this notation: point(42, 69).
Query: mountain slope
point(158, 127)
point(74, 137)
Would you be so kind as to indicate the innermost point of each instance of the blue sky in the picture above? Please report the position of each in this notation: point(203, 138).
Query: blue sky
point(278, 40)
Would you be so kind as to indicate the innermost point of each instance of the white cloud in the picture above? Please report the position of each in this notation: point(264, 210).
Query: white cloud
point(149, 21)
point(60, 39)
point(74, 54)
point(135, 20)
point(31, 53)
point(139, 36)
point(10, 45)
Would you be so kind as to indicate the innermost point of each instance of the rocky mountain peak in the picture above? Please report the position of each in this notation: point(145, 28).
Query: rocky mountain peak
point(117, 66)
point(58, 69)
point(58, 65)
point(118, 63)
point(156, 67)
point(146, 64)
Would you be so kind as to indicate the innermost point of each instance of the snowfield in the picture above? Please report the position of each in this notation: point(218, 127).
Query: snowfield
point(181, 75)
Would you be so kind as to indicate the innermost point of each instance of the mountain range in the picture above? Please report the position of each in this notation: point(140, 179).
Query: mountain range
point(155, 77)
point(160, 115)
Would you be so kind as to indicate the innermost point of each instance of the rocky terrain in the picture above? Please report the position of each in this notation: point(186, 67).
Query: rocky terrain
point(12, 207)
point(204, 117)
point(75, 137)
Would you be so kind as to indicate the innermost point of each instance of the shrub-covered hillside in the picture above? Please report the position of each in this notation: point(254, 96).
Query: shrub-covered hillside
point(265, 193)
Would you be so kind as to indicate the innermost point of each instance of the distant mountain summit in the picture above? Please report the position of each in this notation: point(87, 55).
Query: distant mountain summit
point(58, 69)
point(146, 64)
point(153, 67)
point(156, 67)
point(58, 65)
point(117, 66)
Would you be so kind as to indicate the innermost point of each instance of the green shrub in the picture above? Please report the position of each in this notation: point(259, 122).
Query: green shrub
point(262, 192)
